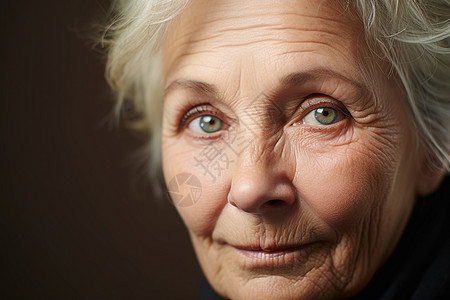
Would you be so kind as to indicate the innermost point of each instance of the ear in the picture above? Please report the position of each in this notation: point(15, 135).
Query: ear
point(432, 172)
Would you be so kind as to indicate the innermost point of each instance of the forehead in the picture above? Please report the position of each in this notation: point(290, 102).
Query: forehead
point(249, 43)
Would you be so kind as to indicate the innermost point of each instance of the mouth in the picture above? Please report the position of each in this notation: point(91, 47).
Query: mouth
point(268, 250)
point(255, 257)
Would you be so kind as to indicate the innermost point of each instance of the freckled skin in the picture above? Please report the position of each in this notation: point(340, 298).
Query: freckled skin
point(344, 190)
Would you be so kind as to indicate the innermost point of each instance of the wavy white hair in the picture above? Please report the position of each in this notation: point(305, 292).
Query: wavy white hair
point(413, 36)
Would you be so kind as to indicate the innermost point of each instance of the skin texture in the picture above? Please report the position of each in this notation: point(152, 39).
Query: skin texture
point(302, 210)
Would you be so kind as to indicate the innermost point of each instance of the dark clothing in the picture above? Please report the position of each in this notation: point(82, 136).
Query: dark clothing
point(419, 268)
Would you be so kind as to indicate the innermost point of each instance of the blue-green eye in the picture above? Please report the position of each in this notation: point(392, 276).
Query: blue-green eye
point(322, 116)
point(206, 123)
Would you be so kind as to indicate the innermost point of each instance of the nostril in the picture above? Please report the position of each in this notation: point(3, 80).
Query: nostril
point(275, 202)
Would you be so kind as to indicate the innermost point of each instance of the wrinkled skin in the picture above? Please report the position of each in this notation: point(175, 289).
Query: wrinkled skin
point(304, 210)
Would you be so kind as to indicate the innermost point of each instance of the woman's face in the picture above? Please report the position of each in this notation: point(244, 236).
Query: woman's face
point(299, 163)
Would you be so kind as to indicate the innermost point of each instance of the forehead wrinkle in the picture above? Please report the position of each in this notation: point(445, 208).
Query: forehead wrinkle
point(257, 30)
point(194, 43)
point(187, 48)
point(279, 41)
point(219, 23)
point(305, 29)
point(213, 50)
point(231, 20)
point(210, 16)
point(323, 43)
point(258, 27)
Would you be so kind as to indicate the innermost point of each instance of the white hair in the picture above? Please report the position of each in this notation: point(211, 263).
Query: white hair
point(413, 36)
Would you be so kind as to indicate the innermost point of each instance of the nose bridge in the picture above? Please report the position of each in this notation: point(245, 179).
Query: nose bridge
point(258, 178)
point(262, 116)
point(259, 132)
point(254, 142)
point(256, 154)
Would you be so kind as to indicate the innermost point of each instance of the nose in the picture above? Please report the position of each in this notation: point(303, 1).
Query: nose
point(260, 184)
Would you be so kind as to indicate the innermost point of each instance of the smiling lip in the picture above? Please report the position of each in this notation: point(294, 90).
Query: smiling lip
point(269, 250)
point(257, 257)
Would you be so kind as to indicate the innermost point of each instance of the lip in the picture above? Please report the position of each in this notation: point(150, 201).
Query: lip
point(267, 250)
point(279, 256)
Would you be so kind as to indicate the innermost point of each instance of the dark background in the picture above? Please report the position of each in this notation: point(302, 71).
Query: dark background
point(77, 219)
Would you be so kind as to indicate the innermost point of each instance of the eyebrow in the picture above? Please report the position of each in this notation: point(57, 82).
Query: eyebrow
point(197, 86)
point(300, 78)
point(290, 80)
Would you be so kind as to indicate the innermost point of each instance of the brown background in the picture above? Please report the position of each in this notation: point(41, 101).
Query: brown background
point(76, 219)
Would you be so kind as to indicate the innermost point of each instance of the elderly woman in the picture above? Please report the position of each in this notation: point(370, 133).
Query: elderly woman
point(298, 139)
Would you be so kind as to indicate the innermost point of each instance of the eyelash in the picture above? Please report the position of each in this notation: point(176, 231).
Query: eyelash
point(339, 108)
point(203, 109)
point(196, 112)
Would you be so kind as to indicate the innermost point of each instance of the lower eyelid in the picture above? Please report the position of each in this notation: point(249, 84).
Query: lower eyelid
point(206, 137)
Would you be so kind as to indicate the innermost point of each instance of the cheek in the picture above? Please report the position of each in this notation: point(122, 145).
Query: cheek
point(344, 185)
point(187, 172)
